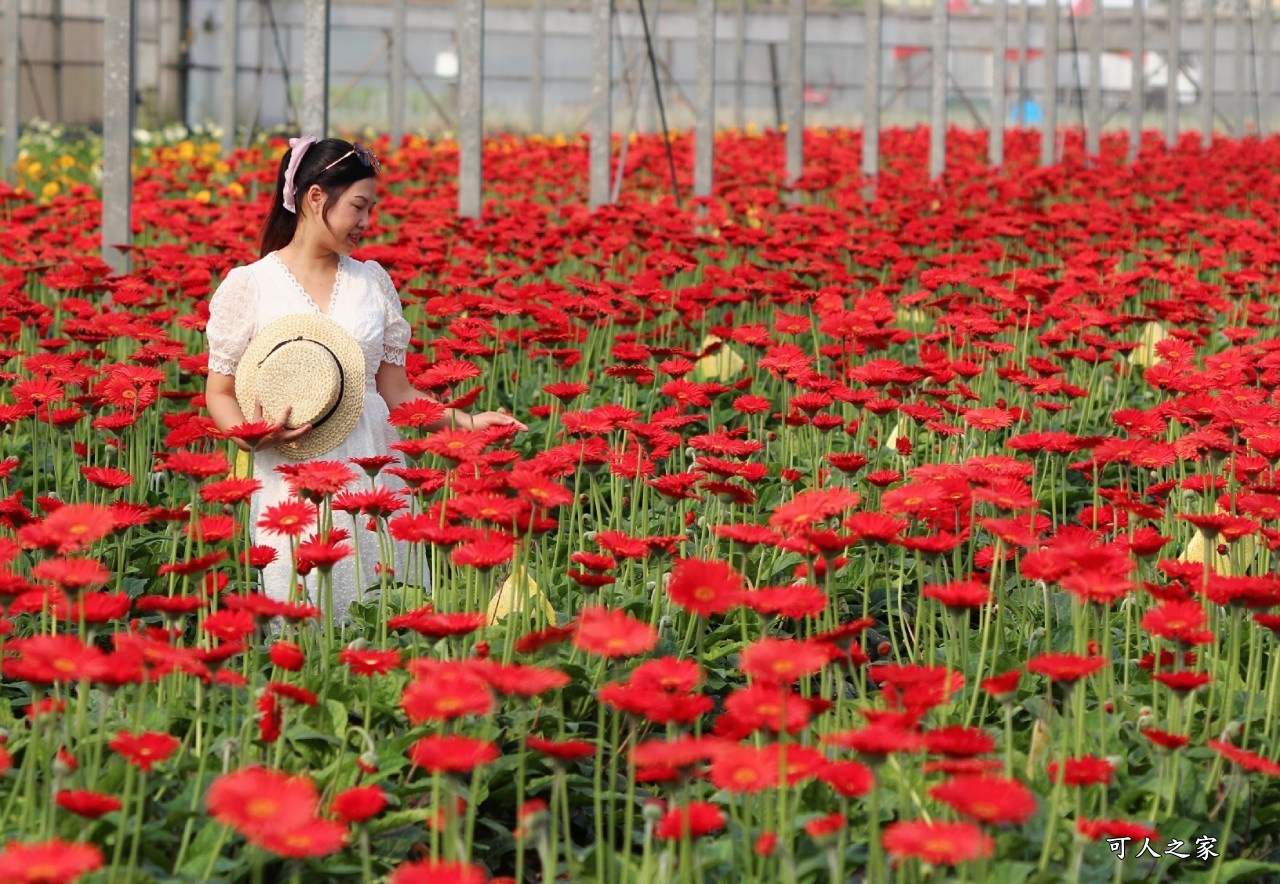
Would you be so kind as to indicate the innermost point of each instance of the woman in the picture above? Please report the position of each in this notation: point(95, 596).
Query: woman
point(326, 191)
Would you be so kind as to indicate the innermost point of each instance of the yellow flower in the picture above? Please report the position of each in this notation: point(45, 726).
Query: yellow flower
point(34, 170)
point(203, 196)
point(221, 167)
point(186, 150)
point(50, 190)
point(66, 162)
point(235, 188)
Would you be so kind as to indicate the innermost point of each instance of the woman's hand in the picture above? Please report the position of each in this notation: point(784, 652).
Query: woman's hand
point(486, 419)
point(274, 434)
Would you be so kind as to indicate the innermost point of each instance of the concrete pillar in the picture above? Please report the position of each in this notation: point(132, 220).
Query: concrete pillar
point(999, 74)
point(740, 65)
point(12, 94)
point(704, 129)
point(537, 77)
point(117, 131)
point(794, 89)
point(230, 73)
point(1137, 83)
point(1209, 76)
point(871, 91)
point(1093, 99)
point(315, 68)
point(600, 125)
point(938, 93)
point(1173, 57)
point(1049, 125)
point(395, 72)
point(470, 106)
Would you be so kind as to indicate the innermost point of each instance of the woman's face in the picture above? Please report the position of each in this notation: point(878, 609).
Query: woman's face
point(350, 216)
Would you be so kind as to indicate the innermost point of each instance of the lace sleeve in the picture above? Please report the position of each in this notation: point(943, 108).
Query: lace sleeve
point(395, 338)
point(232, 316)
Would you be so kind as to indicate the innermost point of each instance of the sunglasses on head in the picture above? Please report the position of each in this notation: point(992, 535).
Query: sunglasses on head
point(362, 153)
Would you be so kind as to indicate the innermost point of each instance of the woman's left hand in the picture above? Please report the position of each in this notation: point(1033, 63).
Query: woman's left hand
point(486, 419)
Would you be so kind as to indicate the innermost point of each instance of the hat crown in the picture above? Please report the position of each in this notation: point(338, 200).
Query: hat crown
point(301, 373)
point(311, 365)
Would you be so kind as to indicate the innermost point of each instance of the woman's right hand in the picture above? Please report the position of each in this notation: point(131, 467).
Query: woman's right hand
point(279, 433)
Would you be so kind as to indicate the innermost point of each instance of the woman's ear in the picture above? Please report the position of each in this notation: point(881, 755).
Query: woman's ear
point(315, 199)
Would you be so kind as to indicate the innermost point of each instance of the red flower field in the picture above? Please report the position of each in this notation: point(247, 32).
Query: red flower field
point(927, 533)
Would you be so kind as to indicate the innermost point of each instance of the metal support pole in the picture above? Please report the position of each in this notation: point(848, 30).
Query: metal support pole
point(999, 72)
point(600, 127)
point(938, 93)
point(1173, 65)
point(1209, 76)
point(1024, 47)
point(395, 94)
point(1049, 123)
point(117, 131)
point(1137, 82)
point(470, 106)
point(230, 78)
point(315, 68)
point(871, 93)
point(704, 130)
point(1264, 73)
point(740, 66)
point(1093, 99)
point(1239, 89)
point(12, 95)
point(796, 15)
point(537, 77)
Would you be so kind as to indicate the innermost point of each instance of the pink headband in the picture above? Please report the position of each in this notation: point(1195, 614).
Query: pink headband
point(298, 148)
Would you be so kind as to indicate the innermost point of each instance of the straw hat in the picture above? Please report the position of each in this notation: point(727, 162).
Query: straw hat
point(311, 363)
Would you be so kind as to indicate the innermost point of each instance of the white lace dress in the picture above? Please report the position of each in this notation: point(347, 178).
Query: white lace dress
point(365, 303)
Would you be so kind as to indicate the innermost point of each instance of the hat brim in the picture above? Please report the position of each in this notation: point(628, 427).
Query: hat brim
point(346, 413)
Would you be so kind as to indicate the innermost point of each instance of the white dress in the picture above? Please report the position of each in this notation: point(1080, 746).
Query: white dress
point(365, 303)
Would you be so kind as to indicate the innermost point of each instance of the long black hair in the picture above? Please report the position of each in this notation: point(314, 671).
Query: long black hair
point(281, 224)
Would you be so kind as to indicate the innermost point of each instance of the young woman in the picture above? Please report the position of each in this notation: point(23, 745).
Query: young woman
point(326, 191)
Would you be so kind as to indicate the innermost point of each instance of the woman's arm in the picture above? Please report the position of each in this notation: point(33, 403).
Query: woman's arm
point(394, 387)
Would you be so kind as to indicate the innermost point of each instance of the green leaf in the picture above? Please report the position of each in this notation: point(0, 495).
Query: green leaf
point(1248, 870)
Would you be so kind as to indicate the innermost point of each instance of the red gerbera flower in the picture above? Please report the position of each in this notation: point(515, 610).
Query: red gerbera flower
point(451, 754)
point(257, 802)
point(1068, 668)
point(988, 799)
point(70, 528)
point(1087, 770)
point(108, 477)
point(194, 465)
point(784, 660)
point(562, 750)
point(937, 843)
point(144, 750)
point(444, 699)
point(313, 837)
point(704, 588)
point(420, 412)
point(438, 872)
point(289, 518)
point(369, 662)
point(359, 803)
point(695, 820)
point(1246, 759)
point(49, 659)
point(959, 594)
point(613, 633)
point(234, 490)
point(89, 805)
point(48, 862)
point(744, 769)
